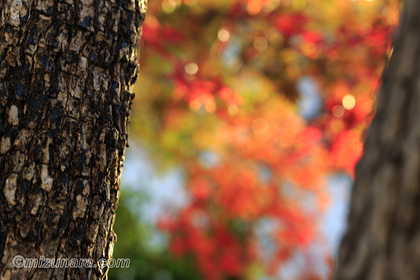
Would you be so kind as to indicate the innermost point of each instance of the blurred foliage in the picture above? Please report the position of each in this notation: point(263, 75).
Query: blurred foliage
point(254, 100)
point(134, 235)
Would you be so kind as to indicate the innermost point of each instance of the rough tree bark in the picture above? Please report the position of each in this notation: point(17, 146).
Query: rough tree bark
point(66, 67)
point(383, 236)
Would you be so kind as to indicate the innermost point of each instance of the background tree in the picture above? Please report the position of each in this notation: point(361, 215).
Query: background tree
point(382, 241)
point(66, 70)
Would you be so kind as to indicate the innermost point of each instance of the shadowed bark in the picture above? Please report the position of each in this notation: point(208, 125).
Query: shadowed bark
point(66, 68)
point(383, 237)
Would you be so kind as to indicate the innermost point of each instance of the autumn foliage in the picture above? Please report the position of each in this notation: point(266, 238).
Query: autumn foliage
point(223, 93)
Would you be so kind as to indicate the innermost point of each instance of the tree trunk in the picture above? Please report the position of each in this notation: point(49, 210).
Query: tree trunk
point(383, 236)
point(66, 68)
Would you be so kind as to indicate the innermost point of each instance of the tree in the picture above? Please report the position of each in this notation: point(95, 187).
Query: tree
point(382, 240)
point(66, 71)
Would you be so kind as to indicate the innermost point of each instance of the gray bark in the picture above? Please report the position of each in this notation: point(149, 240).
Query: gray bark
point(66, 67)
point(383, 236)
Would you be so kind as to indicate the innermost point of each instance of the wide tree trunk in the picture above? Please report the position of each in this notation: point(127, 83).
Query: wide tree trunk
point(66, 68)
point(383, 236)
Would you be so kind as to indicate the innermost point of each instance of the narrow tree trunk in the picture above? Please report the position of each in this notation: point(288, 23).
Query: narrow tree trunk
point(383, 237)
point(66, 68)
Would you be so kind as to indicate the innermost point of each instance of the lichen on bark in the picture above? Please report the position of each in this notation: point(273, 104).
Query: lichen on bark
point(66, 68)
